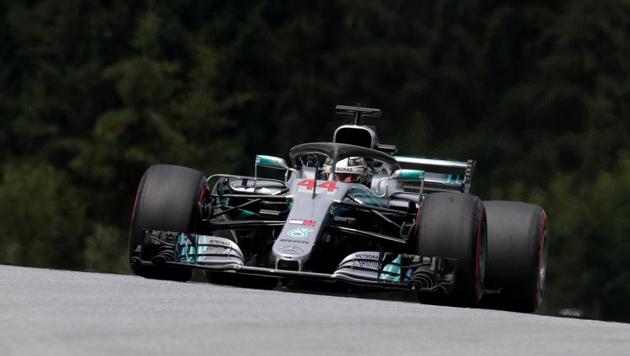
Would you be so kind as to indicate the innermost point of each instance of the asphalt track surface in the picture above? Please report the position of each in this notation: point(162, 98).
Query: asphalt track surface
point(49, 312)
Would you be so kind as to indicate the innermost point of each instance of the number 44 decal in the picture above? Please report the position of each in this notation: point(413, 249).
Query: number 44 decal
point(310, 185)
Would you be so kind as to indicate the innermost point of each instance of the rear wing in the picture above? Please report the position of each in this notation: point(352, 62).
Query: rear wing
point(357, 112)
point(441, 175)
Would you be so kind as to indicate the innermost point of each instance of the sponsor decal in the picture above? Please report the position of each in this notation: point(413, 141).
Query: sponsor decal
point(366, 264)
point(213, 250)
point(365, 256)
point(302, 222)
point(291, 249)
point(294, 241)
point(300, 232)
point(216, 243)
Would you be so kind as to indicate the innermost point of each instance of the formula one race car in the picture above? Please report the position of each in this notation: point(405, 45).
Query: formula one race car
point(348, 211)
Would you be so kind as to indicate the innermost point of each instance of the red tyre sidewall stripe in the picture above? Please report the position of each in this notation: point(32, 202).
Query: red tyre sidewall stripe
point(202, 194)
point(194, 224)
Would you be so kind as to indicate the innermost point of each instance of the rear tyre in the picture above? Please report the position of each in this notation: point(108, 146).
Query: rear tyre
point(454, 225)
point(164, 201)
point(517, 255)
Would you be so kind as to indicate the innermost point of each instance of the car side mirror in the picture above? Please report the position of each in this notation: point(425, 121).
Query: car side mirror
point(411, 175)
point(415, 176)
point(271, 162)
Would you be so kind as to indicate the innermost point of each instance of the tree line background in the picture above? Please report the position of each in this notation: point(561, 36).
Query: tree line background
point(92, 92)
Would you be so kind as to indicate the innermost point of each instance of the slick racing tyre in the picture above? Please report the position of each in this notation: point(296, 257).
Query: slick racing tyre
point(517, 255)
point(453, 225)
point(164, 201)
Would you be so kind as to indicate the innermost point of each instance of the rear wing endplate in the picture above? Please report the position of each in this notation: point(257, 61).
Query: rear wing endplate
point(442, 175)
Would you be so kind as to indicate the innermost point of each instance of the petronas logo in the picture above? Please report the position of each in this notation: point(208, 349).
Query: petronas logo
point(300, 232)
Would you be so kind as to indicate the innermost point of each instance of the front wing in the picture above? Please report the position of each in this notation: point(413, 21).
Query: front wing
point(366, 268)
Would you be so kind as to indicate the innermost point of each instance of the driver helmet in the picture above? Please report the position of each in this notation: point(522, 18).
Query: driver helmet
point(349, 170)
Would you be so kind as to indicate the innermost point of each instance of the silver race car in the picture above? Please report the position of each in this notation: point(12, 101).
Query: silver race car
point(349, 211)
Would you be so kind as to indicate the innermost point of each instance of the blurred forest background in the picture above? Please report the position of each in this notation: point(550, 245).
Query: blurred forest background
point(93, 92)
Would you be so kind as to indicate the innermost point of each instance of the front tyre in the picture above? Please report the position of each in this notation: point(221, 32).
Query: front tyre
point(517, 255)
point(164, 201)
point(453, 225)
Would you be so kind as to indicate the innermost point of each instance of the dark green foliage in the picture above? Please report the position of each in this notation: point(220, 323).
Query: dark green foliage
point(590, 216)
point(42, 217)
point(93, 92)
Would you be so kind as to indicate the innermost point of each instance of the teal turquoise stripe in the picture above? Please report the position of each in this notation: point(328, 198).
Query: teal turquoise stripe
point(391, 272)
